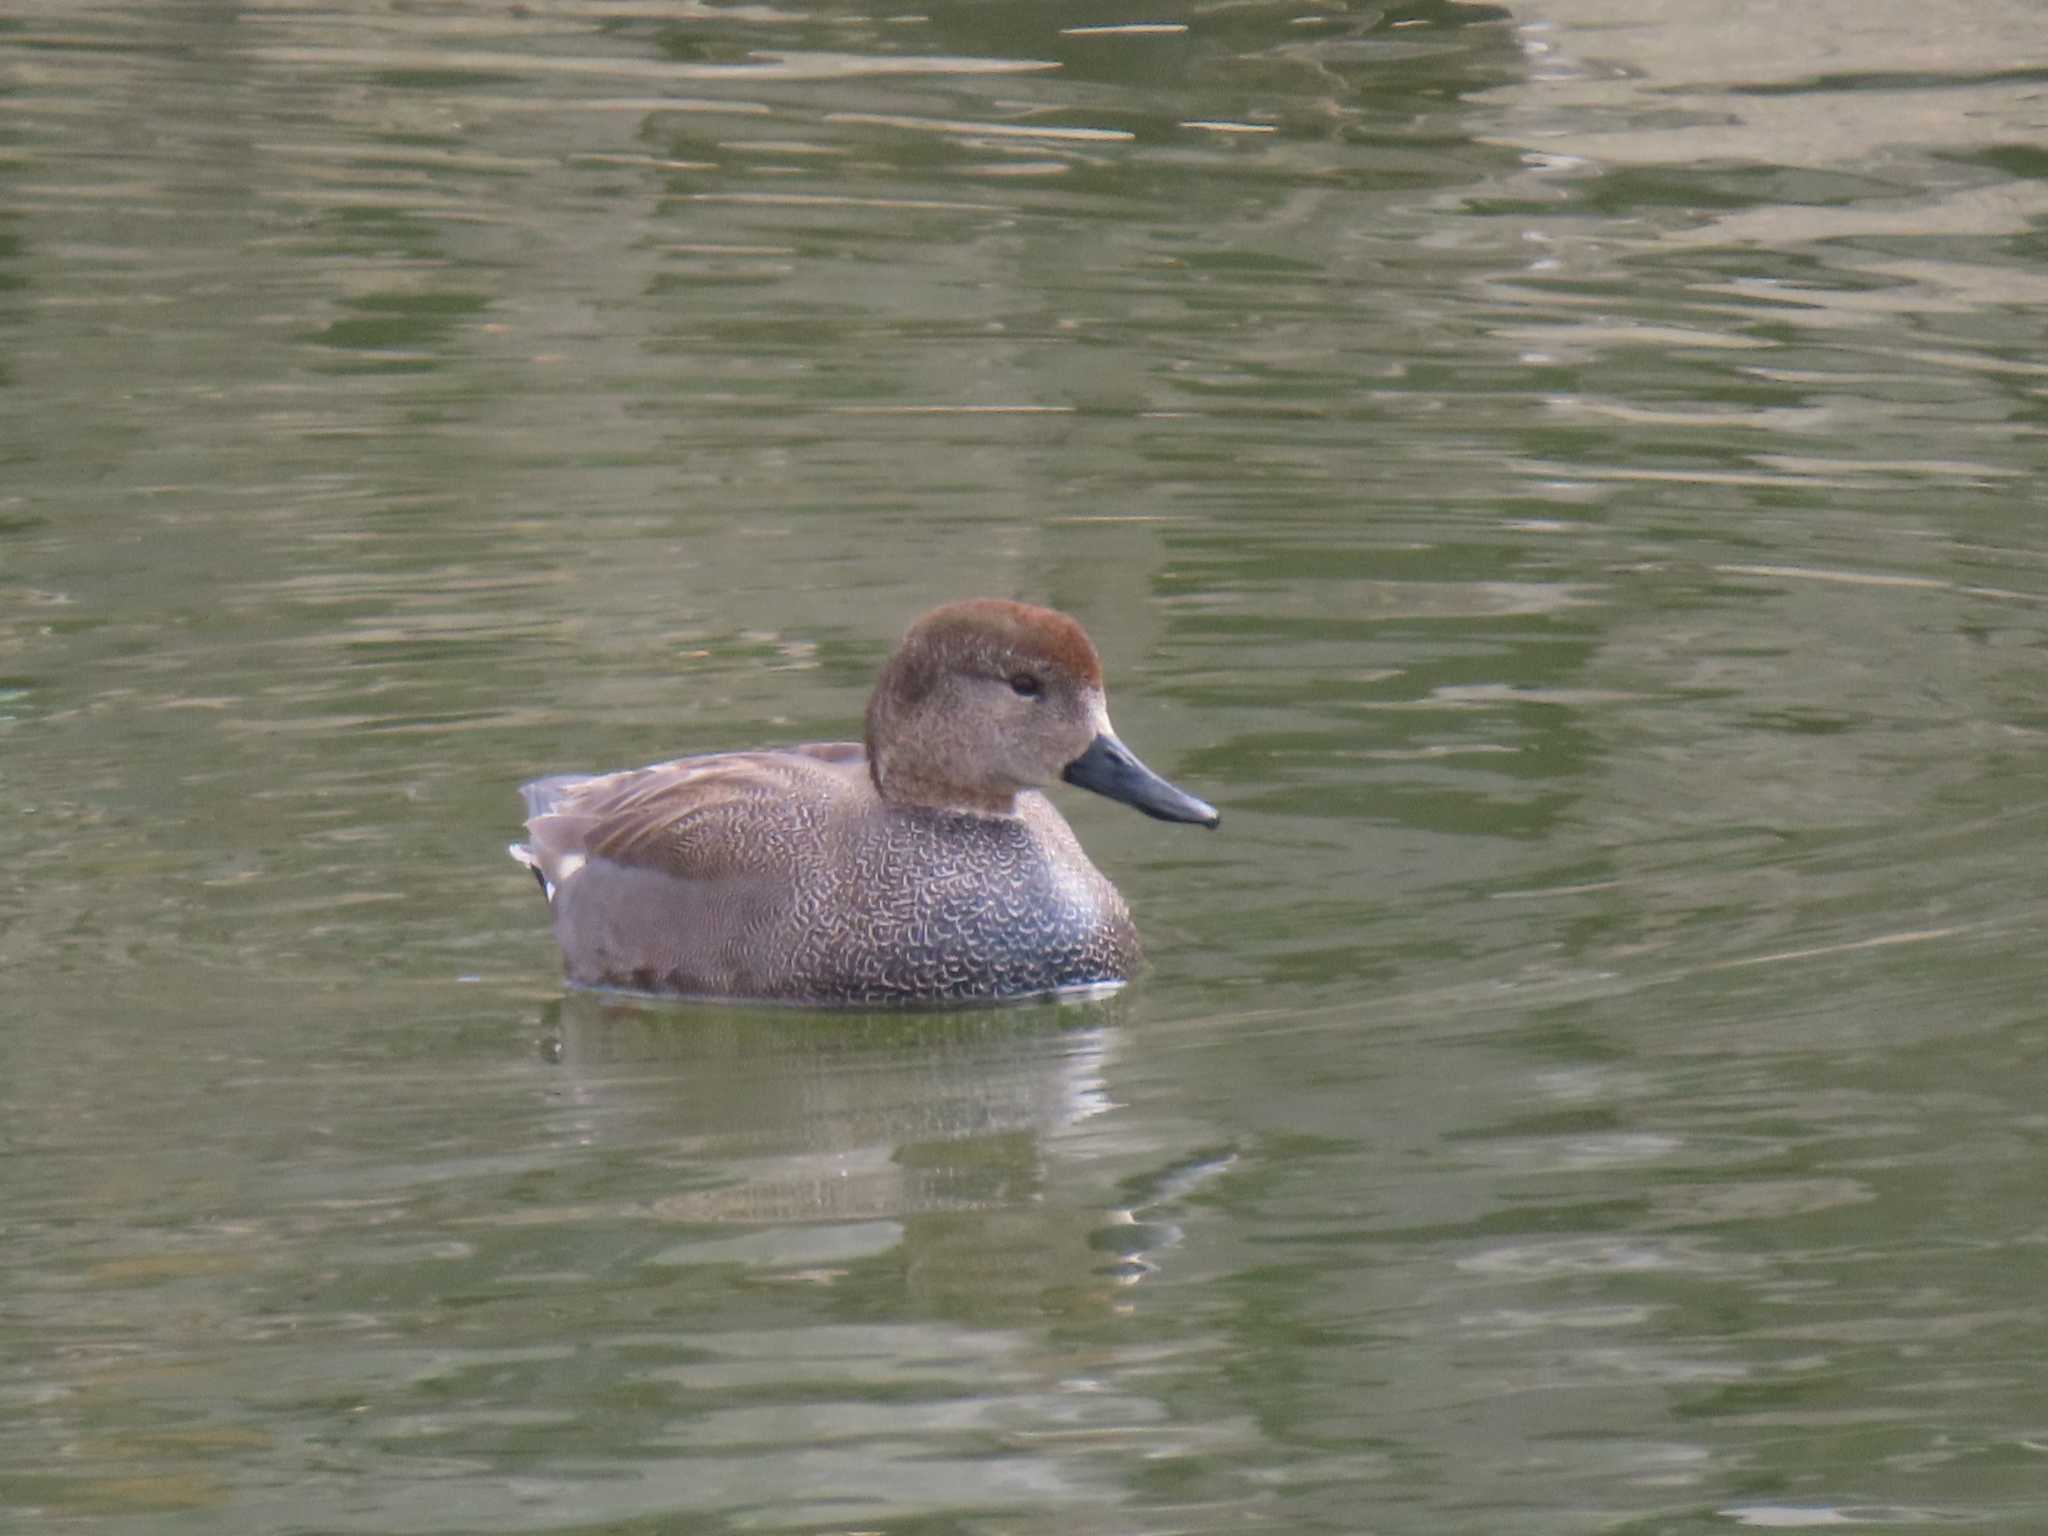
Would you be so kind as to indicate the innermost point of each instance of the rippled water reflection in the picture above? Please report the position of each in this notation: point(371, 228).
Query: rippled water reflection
point(1562, 479)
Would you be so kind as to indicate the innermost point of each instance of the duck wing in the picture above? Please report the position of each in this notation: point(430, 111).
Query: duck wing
point(726, 814)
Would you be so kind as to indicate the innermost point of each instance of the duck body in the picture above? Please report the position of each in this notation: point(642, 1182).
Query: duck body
point(920, 867)
point(782, 875)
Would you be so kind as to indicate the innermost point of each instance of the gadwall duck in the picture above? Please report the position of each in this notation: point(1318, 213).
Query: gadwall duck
point(922, 866)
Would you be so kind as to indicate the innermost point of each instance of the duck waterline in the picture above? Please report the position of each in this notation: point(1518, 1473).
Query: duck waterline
point(922, 865)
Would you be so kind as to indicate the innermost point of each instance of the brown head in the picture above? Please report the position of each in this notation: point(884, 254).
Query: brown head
point(985, 698)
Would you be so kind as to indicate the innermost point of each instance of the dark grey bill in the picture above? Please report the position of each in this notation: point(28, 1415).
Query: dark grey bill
point(1109, 768)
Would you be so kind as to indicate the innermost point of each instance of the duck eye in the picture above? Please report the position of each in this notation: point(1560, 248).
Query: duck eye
point(1025, 686)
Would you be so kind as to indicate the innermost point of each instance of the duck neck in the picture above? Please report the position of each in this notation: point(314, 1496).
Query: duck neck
point(907, 783)
point(921, 775)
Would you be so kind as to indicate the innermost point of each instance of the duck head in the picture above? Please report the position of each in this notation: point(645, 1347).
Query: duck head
point(986, 698)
